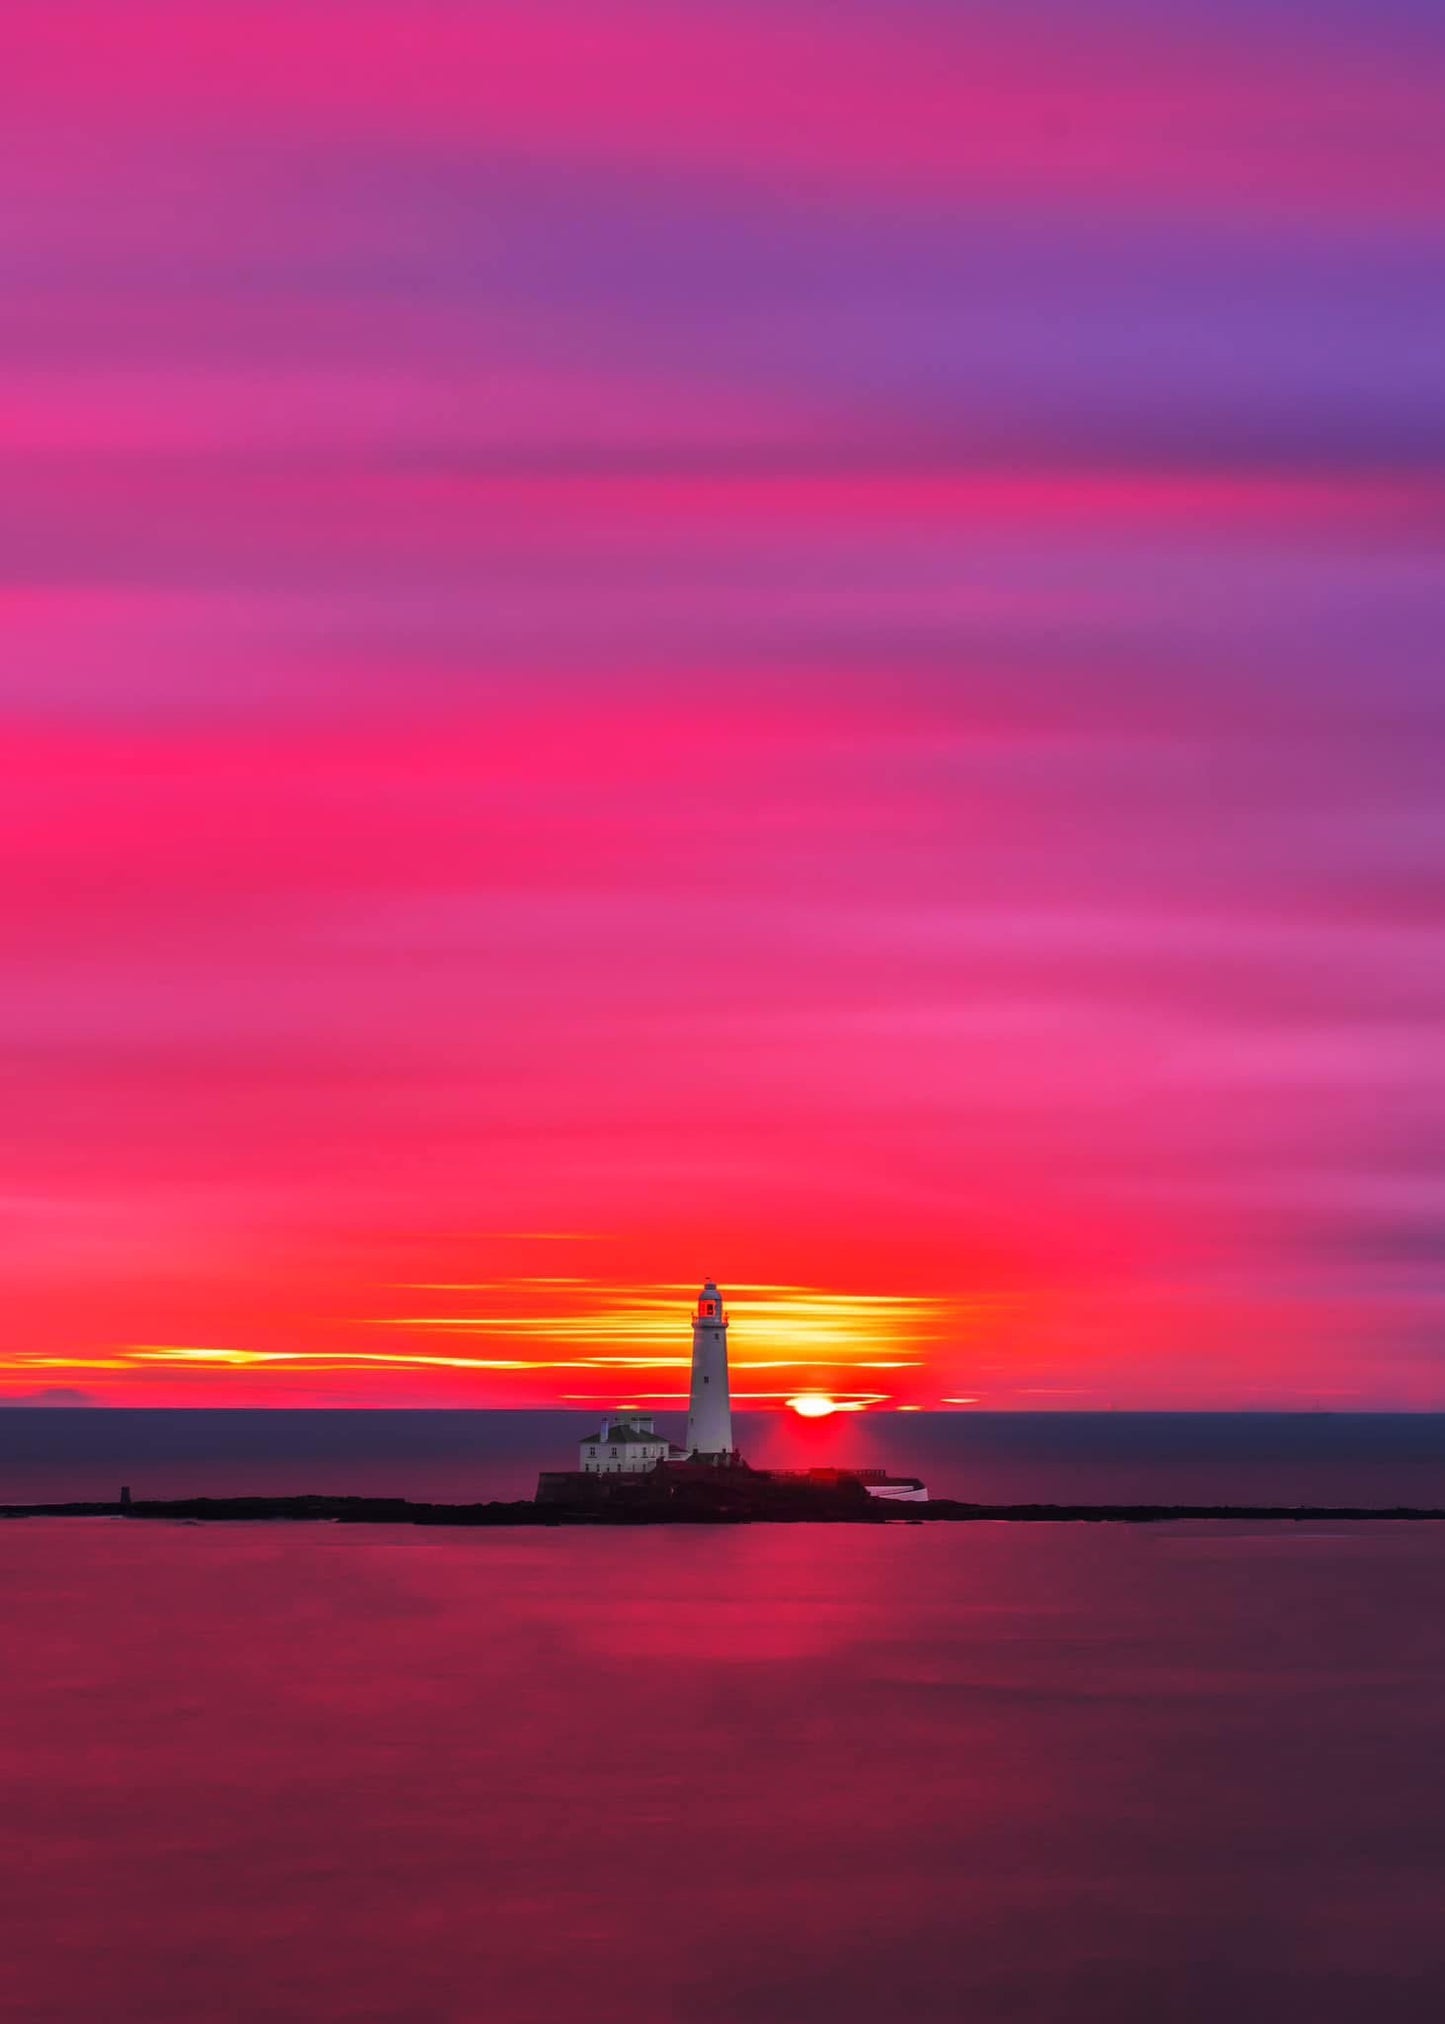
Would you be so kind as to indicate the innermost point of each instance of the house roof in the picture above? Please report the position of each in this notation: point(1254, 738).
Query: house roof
point(670, 1450)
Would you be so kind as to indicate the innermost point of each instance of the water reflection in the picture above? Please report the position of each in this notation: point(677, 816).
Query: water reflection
point(802, 1773)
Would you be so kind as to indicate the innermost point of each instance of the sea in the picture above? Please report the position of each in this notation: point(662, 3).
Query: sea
point(1042, 1774)
point(52, 1453)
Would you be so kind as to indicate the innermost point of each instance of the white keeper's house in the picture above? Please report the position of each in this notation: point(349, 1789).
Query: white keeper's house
point(625, 1445)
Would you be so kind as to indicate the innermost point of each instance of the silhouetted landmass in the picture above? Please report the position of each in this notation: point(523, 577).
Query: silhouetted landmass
point(788, 1504)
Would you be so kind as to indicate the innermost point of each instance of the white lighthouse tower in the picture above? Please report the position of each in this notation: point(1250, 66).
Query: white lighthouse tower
point(709, 1412)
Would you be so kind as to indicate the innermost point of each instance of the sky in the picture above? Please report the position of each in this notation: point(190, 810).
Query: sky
point(799, 643)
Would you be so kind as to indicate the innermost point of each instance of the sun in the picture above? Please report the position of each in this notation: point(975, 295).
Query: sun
point(814, 1405)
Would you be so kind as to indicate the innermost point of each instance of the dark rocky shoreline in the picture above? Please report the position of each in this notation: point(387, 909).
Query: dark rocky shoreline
point(807, 1507)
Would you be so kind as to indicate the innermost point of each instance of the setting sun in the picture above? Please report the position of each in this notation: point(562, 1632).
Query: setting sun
point(814, 1405)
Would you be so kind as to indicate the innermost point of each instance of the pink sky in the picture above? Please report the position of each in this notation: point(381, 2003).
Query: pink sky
point(792, 643)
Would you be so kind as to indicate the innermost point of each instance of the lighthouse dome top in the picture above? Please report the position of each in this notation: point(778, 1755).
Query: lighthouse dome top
point(710, 1303)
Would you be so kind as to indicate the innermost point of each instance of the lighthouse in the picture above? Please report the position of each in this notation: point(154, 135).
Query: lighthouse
point(709, 1412)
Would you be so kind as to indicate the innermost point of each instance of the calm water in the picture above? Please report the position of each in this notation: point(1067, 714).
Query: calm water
point(1183, 1458)
point(792, 1774)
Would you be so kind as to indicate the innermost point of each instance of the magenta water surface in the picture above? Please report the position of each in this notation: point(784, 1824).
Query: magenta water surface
point(785, 1774)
